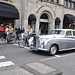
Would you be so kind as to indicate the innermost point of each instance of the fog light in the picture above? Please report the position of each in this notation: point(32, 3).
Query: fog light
point(41, 46)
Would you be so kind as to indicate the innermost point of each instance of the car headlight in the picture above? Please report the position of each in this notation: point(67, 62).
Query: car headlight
point(42, 42)
point(31, 41)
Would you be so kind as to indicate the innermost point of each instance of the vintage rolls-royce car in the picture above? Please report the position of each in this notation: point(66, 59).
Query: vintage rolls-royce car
point(58, 40)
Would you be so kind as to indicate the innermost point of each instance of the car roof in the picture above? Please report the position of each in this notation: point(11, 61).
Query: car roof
point(64, 29)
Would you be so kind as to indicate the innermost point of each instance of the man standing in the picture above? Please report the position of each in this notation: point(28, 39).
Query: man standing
point(17, 29)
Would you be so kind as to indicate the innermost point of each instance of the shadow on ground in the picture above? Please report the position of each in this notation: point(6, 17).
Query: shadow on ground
point(43, 53)
point(66, 52)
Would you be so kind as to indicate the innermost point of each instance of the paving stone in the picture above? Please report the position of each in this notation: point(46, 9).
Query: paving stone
point(18, 71)
point(38, 68)
point(41, 67)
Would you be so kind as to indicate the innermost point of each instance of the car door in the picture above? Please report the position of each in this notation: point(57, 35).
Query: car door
point(73, 39)
point(70, 40)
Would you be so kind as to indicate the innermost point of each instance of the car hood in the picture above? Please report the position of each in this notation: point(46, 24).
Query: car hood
point(51, 36)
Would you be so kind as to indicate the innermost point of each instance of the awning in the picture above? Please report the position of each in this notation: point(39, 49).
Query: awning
point(69, 18)
point(57, 20)
point(8, 11)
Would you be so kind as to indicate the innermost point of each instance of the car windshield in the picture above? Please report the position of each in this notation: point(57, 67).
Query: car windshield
point(59, 32)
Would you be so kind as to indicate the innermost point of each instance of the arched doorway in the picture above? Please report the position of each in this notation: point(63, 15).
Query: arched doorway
point(57, 23)
point(68, 21)
point(44, 20)
point(32, 21)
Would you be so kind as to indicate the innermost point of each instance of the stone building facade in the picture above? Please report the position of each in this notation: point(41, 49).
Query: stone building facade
point(44, 15)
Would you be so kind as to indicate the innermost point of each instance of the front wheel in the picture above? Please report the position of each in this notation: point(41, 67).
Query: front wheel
point(21, 43)
point(53, 50)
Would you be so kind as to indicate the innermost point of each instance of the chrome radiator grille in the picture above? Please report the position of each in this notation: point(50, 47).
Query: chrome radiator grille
point(36, 41)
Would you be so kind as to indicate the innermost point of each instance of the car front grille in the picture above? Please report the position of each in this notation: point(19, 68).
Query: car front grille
point(36, 41)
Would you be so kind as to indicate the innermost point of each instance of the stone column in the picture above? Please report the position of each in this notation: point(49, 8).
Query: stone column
point(51, 26)
point(61, 2)
point(37, 28)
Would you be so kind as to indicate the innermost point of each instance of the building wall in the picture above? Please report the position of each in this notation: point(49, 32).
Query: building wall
point(53, 10)
point(37, 8)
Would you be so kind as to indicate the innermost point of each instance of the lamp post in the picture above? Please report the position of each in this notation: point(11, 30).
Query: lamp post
point(21, 13)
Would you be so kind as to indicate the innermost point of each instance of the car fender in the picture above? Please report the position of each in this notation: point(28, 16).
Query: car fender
point(50, 42)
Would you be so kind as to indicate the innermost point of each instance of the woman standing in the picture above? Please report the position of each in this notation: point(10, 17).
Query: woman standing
point(22, 31)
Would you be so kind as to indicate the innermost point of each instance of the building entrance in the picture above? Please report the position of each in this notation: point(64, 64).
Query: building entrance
point(44, 28)
point(44, 24)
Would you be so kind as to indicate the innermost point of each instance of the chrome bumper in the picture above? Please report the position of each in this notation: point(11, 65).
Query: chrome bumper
point(37, 48)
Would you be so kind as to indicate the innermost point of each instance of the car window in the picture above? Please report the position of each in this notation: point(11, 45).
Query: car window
point(73, 33)
point(59, 32)
point(68, 33)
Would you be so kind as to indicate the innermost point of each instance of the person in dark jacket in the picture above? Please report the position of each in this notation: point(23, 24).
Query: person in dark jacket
point(22, 31)
point(17, 29)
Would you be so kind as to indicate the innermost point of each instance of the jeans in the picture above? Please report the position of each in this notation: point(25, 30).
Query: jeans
point(0, 34)
point(8, 36)
point(28, 37)
point(17, 35)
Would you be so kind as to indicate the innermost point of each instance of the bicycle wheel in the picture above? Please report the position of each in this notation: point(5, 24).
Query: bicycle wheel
point(21, 43)
point(12, 40)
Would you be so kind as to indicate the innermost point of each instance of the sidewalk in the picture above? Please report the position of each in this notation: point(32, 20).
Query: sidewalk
point(17, 71)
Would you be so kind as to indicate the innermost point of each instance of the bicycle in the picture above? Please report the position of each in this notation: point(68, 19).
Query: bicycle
point(22, 41)
point(12, 39)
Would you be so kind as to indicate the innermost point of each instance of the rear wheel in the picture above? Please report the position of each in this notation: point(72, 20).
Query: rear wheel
point(53, 50)
point(21, 43)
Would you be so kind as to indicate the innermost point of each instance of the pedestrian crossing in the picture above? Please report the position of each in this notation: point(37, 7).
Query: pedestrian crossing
point(5, 63)
point(22, 46)
point(2, 57)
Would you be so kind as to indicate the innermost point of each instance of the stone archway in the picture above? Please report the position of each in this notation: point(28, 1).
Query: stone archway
point(51, 16)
